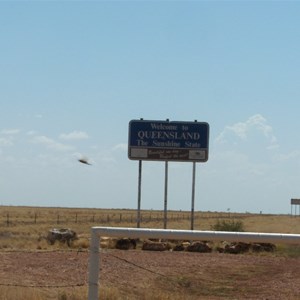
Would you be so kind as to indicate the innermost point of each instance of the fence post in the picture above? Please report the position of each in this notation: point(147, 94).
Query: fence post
point(94, 263)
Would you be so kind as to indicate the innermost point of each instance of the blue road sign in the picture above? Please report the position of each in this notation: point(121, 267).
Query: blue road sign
point(168, 141)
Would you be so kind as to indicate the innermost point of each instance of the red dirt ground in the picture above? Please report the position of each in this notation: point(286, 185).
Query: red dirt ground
point(135, 273)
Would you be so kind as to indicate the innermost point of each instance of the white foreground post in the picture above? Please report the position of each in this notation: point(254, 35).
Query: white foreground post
point(94, 264)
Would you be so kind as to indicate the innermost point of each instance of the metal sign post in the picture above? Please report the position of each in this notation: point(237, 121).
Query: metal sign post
point(139, 195)
point(193, 196)
point(166, 196)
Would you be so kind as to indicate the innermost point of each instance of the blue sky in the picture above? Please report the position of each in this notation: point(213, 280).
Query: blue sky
point(73, 74)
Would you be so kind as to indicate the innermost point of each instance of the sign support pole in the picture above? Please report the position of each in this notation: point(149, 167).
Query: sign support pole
point(166, 195)
point(193, 197)
point(139, 195)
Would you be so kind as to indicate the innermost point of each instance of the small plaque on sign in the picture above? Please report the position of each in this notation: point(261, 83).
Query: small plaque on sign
point(196, 154)
point(139, 152)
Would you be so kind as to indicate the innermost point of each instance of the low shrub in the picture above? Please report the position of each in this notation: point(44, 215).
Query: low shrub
point(228, 225)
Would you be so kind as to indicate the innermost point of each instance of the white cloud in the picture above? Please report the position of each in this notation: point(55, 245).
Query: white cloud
point(51, 144)
point(7, 136)
point(242, 131)
point(294, 155)
point(31, 132)
point(75, 135)
point(122, 147)
point(10, 131)
point(5, 142)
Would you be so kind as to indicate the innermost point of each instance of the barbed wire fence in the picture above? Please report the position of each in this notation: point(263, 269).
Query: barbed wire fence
point(12, 219)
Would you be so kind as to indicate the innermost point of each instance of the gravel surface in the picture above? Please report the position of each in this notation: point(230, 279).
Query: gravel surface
point(136, 273)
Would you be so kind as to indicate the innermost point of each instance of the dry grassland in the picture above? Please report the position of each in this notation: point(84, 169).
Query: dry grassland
point(23, 229)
